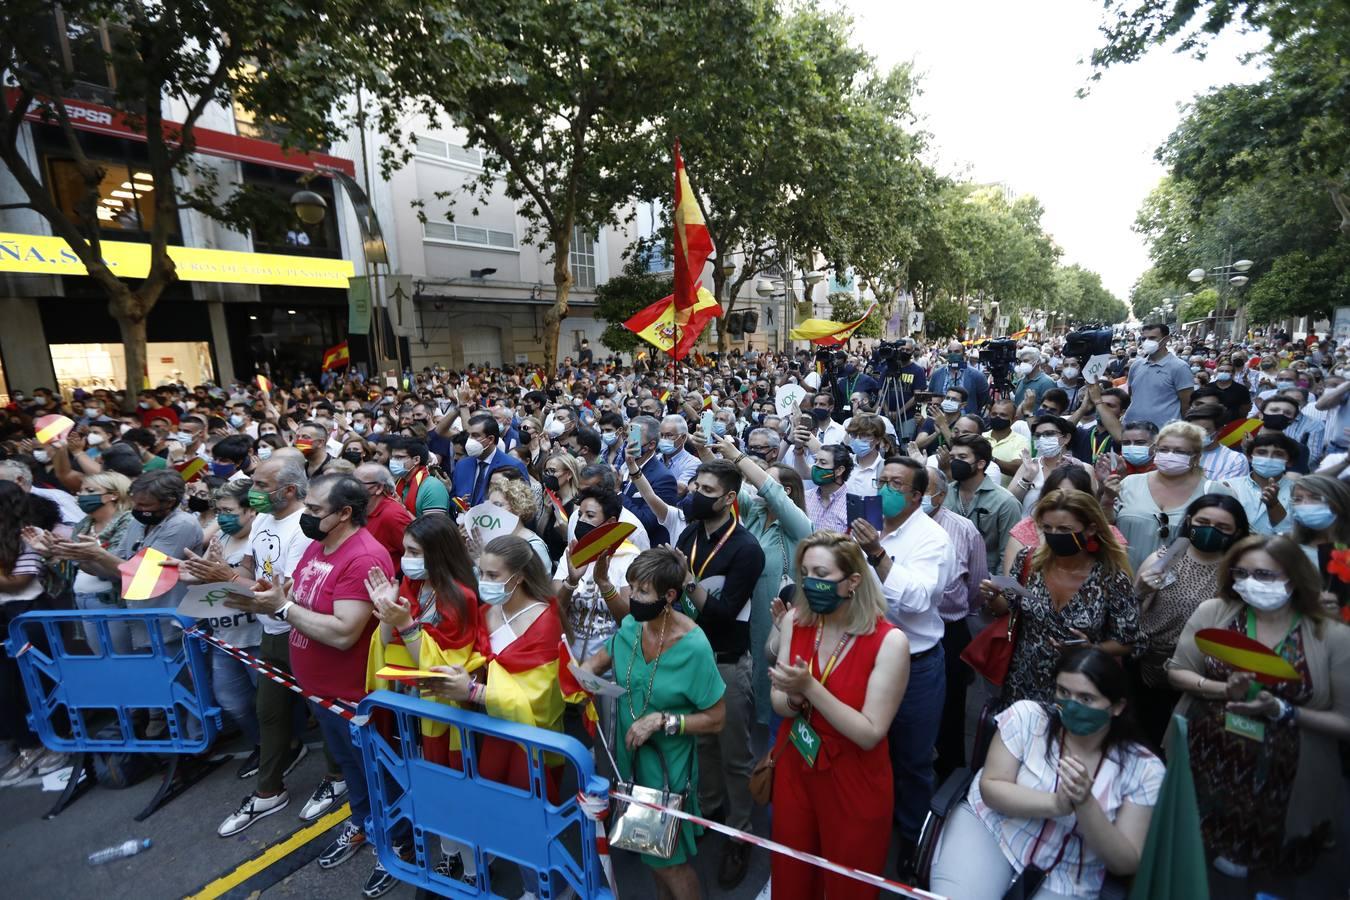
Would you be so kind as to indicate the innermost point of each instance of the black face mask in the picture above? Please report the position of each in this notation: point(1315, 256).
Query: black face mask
point(198, 504)
point(701, 506)
point(310, 527)
point(1277, 421)
point(148, 519)
point(583, 529)
point(961, 470)
point(645, 612)
point(1065, 544)
point(550, 482)
point(998, 423)
point(353, 456)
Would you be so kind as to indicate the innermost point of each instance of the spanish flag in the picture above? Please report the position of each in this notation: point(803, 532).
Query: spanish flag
point(144, 578)
point(1018, 335)
point(1233, 433)
point(336, 357)
point(827, 333)
point(572, 690)
point(52, 428)
point(264, 384)
point(1246, 654)
point(522, 680)
point(600, 540)
point(191, 469)
point(658, 324)
point(535, 381)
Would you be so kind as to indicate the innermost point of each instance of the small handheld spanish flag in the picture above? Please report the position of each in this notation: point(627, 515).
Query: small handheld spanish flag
point(557, 504)
point(191, 469)
point(143, 578)
point(573, 691)
point(1242, 652)
point(462, 504)
point(535, 381)
point(665, 396)
point(594, 545)
point(1232, 434)
point(336, 357)
point(264, 384)
point(52, 428)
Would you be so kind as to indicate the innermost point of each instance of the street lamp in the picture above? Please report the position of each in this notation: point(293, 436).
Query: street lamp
point(309, 207)
point(1229, 275)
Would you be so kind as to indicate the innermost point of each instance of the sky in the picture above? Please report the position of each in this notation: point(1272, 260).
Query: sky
point(999, 79)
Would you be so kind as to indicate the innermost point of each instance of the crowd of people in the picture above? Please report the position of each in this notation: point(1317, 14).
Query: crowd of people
point(815, 542)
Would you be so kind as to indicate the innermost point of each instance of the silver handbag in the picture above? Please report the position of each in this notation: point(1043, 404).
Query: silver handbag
point(644, 830)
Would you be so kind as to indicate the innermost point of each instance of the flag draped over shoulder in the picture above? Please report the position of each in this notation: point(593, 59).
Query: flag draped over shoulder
point(1173, 861)
point(674, 323)
point(826, 332)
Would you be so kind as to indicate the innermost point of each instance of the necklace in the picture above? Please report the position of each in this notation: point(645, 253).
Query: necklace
point(656, 664)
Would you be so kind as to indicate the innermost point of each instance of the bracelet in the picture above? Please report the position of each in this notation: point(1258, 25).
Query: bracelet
point(476, 692)
point(411, 630)
point(609, 593)
point(1026, 485)
point(681, 723)
point(737, 461)
point(570, 585)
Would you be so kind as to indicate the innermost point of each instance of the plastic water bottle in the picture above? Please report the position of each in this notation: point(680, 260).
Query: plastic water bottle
point(118, 851)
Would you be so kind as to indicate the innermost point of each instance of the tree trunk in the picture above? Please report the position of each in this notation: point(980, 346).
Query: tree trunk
point(562, 288)
point(133, 347)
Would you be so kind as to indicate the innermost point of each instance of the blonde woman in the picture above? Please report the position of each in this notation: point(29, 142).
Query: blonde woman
point(561, 475)
point(841, 673)
point(1077, 593)
point(516, 497)
point(105, 499)
point(1149, 506)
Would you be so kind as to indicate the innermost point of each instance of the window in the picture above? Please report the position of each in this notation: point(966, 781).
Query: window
point(83, 49)
point(443, 151)
point(246, 121)
point(275, 226)
point(126, 198)
point(469, 234)
point(657, 258)
point(583, 258)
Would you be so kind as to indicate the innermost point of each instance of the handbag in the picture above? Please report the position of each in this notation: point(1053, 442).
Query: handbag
point(990, 652)
point(639, 828)
point(761, 777)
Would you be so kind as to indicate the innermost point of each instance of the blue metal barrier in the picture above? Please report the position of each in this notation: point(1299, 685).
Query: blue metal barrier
point(410, 796)
point(72, 687)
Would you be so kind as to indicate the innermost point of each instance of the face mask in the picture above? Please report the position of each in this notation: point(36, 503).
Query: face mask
point(1080, 719)
point(1268, 466)
point(237, 421)
point(1136, 455)
point(1223, 376)
point(1048, 446)
point(720, 429)
point(399, 467)
point(1314, 515)
point(415, 567)
point(259, 500)
point(642, 611)
point(229, 522)
point(821, 476)
point(352, 456)
point(608, 438)
point(473, 448)
point(1065, 544)
point(583, 529)
point(998, 423)
point(1208, 539)
point(1195, 370)
point(1170, 462)
point(1264, 596)
point(822, 595)
point(926, 504)
point(1070, 372)
point(148, 519)
point(1277, 421)
point(961, 470)
point(359, 428)
point(701, 506)
point(1148, 347)
point(198, 504)
point(144, 404)
point(554, 428)
point(90, 503)
point(312, 526)
point(223, 469)
point(41, 456)
point(493, 593)
point(264, 451)
point(1022, 369)
point(665, 446)
point(94, 440)
point(860, 446)
point(893, 502)
point(950, 406)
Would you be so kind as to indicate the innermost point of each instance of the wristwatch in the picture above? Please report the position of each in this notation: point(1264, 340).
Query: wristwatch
point(689, 589)
point(670, 724)
point(876, 560)
point(283, 610)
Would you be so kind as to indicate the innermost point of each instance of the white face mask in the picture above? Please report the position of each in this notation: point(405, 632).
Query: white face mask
point(1023, 369)
point(1048, 446)
point(94, 440)
point(1148, 347)
point(1170, 462)
point(1070, 372)
point(473, 448)
point(1262, 595)
point(554, 428)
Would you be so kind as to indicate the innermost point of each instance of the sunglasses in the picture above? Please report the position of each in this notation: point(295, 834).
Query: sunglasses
point(1164, 528)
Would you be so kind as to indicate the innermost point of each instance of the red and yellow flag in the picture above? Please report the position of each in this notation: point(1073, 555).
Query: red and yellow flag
point(264, 384)
point(1242, 652)
point(607, 537)
point(1018, 335)
point(572, 690)
point(336, 357)
point(1232, 434)
point(535, 381)
point(52, 428)
point(143, 577)
point(191, 469)
point(827, 333)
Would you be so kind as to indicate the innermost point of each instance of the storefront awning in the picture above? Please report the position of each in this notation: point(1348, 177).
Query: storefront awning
point(40, 255)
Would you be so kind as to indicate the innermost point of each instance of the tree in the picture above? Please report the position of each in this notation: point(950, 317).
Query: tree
point(284, 62)
point(620, 297)
point(844, 307)
point(1080, 298)
point(944, 317)
point(565, 99)
point(1152, 288)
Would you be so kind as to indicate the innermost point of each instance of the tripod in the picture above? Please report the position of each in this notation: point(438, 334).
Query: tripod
point(891, 403)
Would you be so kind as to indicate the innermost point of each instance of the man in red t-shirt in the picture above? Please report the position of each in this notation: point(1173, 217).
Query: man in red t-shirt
point(331, 619)
point(150, 409)
point(386, 518)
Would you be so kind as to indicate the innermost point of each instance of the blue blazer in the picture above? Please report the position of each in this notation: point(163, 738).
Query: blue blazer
point(663, 484)
point(465, 470)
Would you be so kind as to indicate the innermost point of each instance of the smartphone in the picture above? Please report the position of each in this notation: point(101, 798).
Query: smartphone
point(635, 436)
point(926, 397)
point(1073, 642)
point(707, 423)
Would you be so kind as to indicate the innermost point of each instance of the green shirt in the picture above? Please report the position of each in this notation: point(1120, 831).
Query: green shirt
point(154, 463)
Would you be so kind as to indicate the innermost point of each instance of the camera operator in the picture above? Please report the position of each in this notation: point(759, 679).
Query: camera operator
point(895, 363)
point(957, 373)
point(853, 381)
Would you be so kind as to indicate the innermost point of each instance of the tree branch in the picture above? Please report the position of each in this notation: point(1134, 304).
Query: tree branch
point(506, 152)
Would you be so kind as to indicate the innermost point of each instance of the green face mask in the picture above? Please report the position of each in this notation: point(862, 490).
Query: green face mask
point(821, 476)
point(1080, 719)
point(260, 500)
point(893, 502)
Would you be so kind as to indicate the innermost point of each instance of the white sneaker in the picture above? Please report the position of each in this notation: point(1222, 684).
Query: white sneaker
point(52, 761)
point(251, 810)
point(22, 766)
point(1230, 868)
point(324, 798)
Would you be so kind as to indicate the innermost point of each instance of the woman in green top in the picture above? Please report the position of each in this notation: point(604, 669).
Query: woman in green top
point(674, 694)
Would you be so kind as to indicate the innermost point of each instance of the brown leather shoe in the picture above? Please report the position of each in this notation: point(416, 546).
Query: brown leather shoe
point(734, 864)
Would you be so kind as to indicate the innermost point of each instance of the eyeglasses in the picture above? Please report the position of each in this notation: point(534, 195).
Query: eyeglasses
point(896, 484)
point(1259, 574)
point(1048, 434)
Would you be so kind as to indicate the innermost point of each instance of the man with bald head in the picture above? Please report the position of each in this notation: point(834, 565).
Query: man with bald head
point(386, 517)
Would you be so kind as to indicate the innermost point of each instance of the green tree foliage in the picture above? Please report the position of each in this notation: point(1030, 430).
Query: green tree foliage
point(844, 307)
point(287, 63)
point(1201, 304)
point(1080, 298)
point(1152, 288)
point(944, 317)
point(621, 296)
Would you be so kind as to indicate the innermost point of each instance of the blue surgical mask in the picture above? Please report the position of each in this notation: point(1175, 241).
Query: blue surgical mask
point(860, 447)
point(493, 593)
point(608, 438)
point(1136, 455)
point(237, 421)
point(398, 467)
point(927, 504)
point(666, 446)
point(1268, 466)
point(415, 567)
point(1314, 515)
point(720, 428)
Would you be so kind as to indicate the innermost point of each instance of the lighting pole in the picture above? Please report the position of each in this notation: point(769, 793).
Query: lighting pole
point(1230, 274)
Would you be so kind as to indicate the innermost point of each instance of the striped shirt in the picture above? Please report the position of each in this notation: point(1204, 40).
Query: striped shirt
point(1220, 462)
point(27, 563)
point(961, 596)
point(827, 515)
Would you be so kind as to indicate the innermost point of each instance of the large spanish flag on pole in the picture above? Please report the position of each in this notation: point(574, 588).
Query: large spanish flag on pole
point(336, 357)
point(827, 333)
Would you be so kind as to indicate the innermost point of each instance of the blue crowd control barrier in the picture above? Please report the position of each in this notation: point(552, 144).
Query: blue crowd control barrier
point(75, 692)
point(413, 797)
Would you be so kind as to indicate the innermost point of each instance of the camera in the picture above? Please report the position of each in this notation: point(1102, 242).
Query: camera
point(891, 355)
point(999, 356)
point(831, 357)
point(1088, 342)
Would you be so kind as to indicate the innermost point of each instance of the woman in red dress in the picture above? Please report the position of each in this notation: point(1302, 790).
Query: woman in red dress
point(841, 672)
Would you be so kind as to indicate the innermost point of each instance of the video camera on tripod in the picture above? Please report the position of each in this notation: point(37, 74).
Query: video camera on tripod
point(999, 356)
point(1089, 341)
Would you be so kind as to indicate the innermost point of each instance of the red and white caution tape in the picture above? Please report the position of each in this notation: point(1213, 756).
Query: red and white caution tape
point(596, 808)
point(800, 855)
point(285, 679)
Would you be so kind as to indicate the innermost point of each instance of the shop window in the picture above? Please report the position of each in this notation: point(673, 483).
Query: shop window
point(582, 258)
point(125, 195)
point(93, 366)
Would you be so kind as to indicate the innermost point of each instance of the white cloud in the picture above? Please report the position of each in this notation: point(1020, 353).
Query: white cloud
point(999, 83)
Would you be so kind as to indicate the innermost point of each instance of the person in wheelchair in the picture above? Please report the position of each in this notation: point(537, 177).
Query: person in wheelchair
point(1066, 794)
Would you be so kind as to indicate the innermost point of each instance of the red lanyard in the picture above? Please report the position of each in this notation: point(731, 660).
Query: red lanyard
point(829, 664)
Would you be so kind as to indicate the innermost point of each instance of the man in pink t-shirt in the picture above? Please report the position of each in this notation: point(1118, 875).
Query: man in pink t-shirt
point(331, 619)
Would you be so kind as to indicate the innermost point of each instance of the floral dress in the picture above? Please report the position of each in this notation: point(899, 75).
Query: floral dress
point(1103, 608)
point(1243, 785)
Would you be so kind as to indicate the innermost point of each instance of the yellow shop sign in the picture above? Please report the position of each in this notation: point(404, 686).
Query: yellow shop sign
point(40, 255)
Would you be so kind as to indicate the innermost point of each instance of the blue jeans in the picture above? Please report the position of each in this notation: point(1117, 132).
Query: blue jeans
point(236, 689)
point(912, 736)
point(119, 632)
point(337, 735)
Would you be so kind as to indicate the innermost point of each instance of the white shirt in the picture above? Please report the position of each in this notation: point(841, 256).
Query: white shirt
point(862, 481)
point(923, 561)
point(71, 514)
point(1221, 462)
point(587, 613)
point(276, 546)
